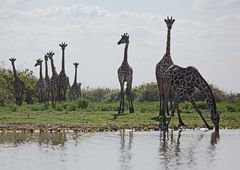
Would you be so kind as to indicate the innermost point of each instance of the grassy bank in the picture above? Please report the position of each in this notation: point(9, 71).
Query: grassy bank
point(100, 116)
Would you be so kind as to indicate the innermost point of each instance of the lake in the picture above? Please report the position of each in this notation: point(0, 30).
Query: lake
point(187, 149)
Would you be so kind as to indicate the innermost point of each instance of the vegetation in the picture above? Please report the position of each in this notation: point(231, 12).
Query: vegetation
point(98, 107)
point(100, 114)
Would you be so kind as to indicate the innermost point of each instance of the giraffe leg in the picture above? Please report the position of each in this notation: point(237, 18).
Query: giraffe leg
point(52, 97)
point(160, 97)
point(121, 98)
point(163, 99)
point(17, 101)
point(129, 94)
point(64, 94)
point(200, 113)
point(59, 95)
point(169, 100)
point(179, 118)
point(20, 101)
point(178, 95)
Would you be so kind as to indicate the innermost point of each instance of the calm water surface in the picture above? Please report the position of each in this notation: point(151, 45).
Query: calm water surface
point(115, 150)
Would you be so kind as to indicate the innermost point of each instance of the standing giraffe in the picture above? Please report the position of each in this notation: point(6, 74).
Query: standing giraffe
point(125, 74)
point(53, 80)
point(74, 91)
point(18, 85)
point(165, 62)
point(47, 78)
point(63, 80)
point(41, 84)
point(184, 81)
point(79, 89)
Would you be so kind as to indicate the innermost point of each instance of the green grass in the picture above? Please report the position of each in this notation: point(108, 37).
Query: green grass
point(104, 114)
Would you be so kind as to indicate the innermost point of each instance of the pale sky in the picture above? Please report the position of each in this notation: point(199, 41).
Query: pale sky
point(206, 35)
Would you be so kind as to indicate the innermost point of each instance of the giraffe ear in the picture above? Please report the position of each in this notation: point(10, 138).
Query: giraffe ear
point(165, 20)
point(173, 20)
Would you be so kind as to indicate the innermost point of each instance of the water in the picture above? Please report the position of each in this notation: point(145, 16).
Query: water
point(124, 151)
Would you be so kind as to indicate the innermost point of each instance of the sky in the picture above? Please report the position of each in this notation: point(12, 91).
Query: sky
point(206, 35)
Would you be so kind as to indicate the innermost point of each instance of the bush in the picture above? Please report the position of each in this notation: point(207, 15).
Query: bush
point(143, 110)
point(109, 107)
point(146, 92)
point(82, 104)
point(59, 107)
point(12, 107)
point(72, 107)
point(186, 106)
point(38, 107)
point(231, 108)
point(202, 105)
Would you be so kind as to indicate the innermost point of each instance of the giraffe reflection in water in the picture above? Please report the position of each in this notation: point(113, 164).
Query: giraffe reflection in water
point(176, 149)
point(43, 138)
point(125, 149)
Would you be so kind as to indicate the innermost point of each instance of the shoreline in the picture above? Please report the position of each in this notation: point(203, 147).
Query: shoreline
point(85, 128)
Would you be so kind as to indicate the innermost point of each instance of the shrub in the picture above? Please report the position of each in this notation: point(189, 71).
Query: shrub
point(109, 107)
point(12, 107)
point(202, 105)
point(59, 107)
point(39, 107)
point(82, 104)
point(65, 105)
point(231, 108)
point(186, 106)
point(72, 107)
point(143, 110)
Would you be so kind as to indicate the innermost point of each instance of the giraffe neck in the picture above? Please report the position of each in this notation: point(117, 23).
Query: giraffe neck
point(168, 55)
point(207, 93)
point(53, 67)
point(63, 60)
point(14, 71)
point(125, 60)
point(46, 70)
point(40, 72)
point(75, 78)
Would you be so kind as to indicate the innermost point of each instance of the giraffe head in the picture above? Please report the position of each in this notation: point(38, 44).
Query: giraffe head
point(124, 39)
point(63, 45)
point(50, 55)
point(46, 57)
point(12, 59)
point(39, 62)
point(169, 22)
point(215, 117)
point(76, 64)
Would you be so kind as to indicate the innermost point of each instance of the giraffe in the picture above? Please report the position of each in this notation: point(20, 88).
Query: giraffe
point(47, 78)
point(79, 89)
point(63, 80)
point(163, 85)
point(125, 74)
point(41, 84)
point(53, 80)
point(74, 91)
point(18, 85)
point(184, 81)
